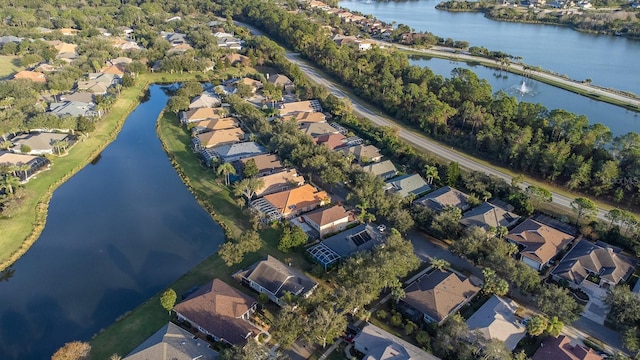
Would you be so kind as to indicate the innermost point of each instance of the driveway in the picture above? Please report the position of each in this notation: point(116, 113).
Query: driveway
point(596, 309)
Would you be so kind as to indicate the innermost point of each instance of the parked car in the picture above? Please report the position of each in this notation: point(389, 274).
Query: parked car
point(350, 333)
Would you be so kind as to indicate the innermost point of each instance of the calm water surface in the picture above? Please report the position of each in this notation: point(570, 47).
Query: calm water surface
point(609, 61)
point(117, 232)
point(619, 120)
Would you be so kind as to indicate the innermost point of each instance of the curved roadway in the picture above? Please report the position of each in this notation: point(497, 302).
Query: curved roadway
point(418, 140)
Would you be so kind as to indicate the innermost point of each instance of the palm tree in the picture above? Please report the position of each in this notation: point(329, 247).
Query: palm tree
point(60, 146)
point(5, 144)
point(431, 172)
point(248, 187)
point(10, 183)
point(24, 168)
point(502, 231)
point(226, 169)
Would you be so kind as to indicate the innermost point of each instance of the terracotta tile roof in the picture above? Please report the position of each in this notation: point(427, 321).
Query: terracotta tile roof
point(218, 308)
point(280, 79)
point(15, 159)
point(300, 106)
point(218, 124)
point(279, 181)
point(332, 141)
point(305, 117)
point(329, 215)
point(63, 47)
point(560, 348)
point(68, 31)
point(299, 198)
point(234, 58)
point(250, 82)
point(439, 293)
point(30, 75)
point(200, 114)
point(541, 242)
point(264, 162)
point(220, 137)
point(113, 69)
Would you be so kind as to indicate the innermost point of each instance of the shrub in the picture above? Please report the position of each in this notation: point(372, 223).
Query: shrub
point(25, 149)
point(381, 314)
point(396, 320)
point(423, 339)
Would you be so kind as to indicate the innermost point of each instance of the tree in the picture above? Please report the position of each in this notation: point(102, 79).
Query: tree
point(248, 187)
point(493, 284)
point(537, 325)
point(324, 325)
point(178, 103)
point(287, 327)
point(250, 168)
point(251, 351)
point(431, 173)
point(75, 350)
point(10, 182)
point(168, 299)
point(231, 253)
point(554, 328)
point(60, 146)
point(556, 301)
point(452, 173)
point(583, 207)
point(630, 339)
point(625, 306)
point(292, 237)
point(244, 90)
point(439, 264)
point(226, 169)
point(538, 195)
point(24, 168)
point(446, 222)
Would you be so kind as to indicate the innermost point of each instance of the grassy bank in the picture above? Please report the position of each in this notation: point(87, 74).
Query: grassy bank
point(23, 228)
point(493, 65)
point(136, 326)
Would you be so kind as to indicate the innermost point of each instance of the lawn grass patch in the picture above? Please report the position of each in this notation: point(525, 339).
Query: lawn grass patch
point(8, 65)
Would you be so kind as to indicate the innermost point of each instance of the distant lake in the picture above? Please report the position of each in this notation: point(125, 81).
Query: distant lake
point(119, 231)
point(609, 61)
point(619, 120)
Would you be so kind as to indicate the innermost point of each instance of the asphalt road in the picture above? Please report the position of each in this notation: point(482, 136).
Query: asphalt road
point(418, 140)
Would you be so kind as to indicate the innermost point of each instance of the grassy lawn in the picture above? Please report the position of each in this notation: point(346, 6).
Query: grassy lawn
point(135, 327)
point(7, 66)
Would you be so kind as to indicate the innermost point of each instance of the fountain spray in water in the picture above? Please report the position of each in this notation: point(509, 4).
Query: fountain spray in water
point(523, 89)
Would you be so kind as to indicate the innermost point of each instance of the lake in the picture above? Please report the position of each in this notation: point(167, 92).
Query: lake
point(119, 231)
point(618, 119)
point(608, 60)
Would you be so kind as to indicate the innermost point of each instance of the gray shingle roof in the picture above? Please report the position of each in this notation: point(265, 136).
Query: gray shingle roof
point(172, 342)
point(407, 185)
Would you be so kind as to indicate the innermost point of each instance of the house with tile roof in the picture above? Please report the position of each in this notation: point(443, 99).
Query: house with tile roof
point(496, 319)
point(290, 203)
point(436, 295)
point(221, 311)
point(266, 163)
point(363, 237)
point(538, 242)
point(279, 181)
point(39, 143)
point(282, 81)
point(305, 117)
point(217, 138)
point(273, 278)
point(117, 70)
point(63, 47)
point(206, 100)
point(299, 106)
point(329, 220)
point(253, 84)
point(235, 58)
point(332, 141)
point(385, 169)
point(208, 125)
point(410, 184)
point(179, 49)
point(378, 344)
point(363, 153)
point(316, 129)
point(200, 114)
point(595, 261)
point(31, 75)
point(443, 197)
point(172, 342)
point(488, 215)
point(36, 163)
point(560, 348)
point(68, 31)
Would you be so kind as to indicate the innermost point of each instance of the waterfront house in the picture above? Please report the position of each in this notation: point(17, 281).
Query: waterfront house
point(266, 163)
point(213, 125)
point(36, 163)
point(279, 181)
point(172, 342)
point(38, 143)
point(217, 138)
point(206, 100)
point(75, 109)
point(290, 203)
point(220, 311)
point(200, 114)
point(235, 152)
point(275, 279)
point(538, 243)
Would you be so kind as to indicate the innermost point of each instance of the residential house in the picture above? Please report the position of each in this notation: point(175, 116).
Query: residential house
point(206, 100)
point(363, 237)
point(68, 31)
point(279, 181)
point(496, 319)
point(179, 49)
point(282, 81)
point(378, 344)
point(74, 109)
point(120, 60)
point(598, 263)
point(117, 70)
point(305, 117)
point(217, 138)
point(560, 348)
point(78, 96)
point(200, 114)
point(236, 58)
point(46, 68)
point(364, 153)
point(488, 215)
point(63, 47)
point(436, 295)
point(300, 106)
point(10, 38)
point(266, 163)
point(364, 45)
point(174, 38)
point(39, 143)
point(172, 342)
point(329, 220)
point(332, 141)
point(123, 44)
point(275, 279)
point(406, 185)
point(93, 86)
point(227, 40)
point(31, 75)
point(316, 129)
point(290, 203)
point(125, 31)
point(444, 197)
point(213, 125)
point(538, 242)
point(385, 169)
point(255, 85)
point(220, 311)
point(231, 153)
point(36, 163)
